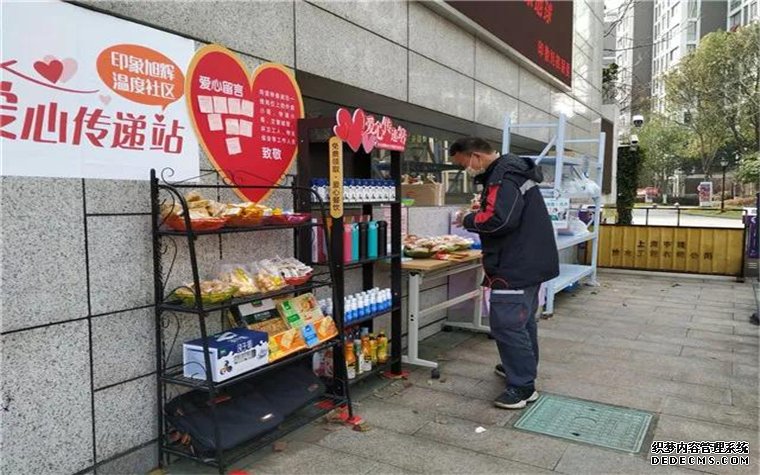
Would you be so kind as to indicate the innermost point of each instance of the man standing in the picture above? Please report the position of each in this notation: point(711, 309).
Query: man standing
point(519, 253)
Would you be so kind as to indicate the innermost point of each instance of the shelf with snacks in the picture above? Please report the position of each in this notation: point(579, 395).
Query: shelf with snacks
point(176, 305)
point(254, 345)
point(368, 220)
point(175, 374)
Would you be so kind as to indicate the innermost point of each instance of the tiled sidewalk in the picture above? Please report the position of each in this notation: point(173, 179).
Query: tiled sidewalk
point(681, 348)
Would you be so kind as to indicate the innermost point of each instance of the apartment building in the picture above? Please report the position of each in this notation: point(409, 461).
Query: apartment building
point(678, 25)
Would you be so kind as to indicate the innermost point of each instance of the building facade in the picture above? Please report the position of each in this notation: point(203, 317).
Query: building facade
point(79, 381)
point(678, 25)
point(741, 12)
point(632, 24)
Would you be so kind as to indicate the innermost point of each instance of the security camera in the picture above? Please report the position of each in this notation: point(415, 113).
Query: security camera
point(634, 139)
point(638, 120)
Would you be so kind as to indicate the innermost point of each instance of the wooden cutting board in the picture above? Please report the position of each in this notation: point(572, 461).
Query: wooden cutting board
point(427, 265)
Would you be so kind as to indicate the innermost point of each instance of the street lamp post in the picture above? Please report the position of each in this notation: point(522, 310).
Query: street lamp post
point(724, 164)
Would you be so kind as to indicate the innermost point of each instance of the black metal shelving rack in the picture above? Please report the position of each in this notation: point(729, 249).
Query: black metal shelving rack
point(338, 392)
point(309, 149)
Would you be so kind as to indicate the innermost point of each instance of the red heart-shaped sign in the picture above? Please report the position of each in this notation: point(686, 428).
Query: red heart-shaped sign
point(50, 70)
point(350, 129)
point(246, 125)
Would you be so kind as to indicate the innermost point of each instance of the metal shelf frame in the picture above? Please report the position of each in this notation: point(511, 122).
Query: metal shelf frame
point(569, 273)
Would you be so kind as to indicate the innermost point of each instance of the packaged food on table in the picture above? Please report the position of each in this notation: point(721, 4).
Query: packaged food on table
point(292, 270)
point(267, 278)
point(423, 247)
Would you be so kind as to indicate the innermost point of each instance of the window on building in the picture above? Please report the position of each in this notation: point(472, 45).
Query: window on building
point(693, 8)
point(735, 21)
point(672, 56)
point(673, 10)
point(734, 4)
point(690, 48)
point(745, 19)
point(752, 12)
point(691, 31)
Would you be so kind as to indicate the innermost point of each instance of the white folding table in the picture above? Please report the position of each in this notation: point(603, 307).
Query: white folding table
point(420, 269)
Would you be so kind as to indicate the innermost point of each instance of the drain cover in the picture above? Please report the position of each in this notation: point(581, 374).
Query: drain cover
point(586, 421)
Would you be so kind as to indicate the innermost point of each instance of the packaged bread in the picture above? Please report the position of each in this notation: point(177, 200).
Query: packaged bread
point(326, 329)
point(285, 343)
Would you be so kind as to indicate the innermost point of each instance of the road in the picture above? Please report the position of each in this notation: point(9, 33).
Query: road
point(668, 217)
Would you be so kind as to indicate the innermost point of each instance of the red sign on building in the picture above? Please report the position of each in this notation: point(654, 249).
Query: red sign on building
point(540, 30)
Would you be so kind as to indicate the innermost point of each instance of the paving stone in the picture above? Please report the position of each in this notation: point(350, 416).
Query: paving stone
point(304, 458)
point(743, 358)
point(643, 346)
point(584, 459)
point(475, 410)
point(639, 399)
point(688, 342)
point(401, 419)
point(501, 442)
point(712, 336)
point(420, 454)
point(720, 414)
point(740, 397)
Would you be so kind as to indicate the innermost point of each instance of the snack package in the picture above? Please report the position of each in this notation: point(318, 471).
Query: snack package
point(300, 310)
point(285, 343)
point(309, 335)
point(326, 329)
point(240, 278)
point(322, 363)
point(272, 326)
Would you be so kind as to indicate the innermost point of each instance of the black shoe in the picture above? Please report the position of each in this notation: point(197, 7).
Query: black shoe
point(529, 394)
point(499, 370)
point(511, 398)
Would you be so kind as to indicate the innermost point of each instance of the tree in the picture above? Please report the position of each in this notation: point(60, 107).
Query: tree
point(715, 92)
point(664, 143)
point(628, 168)
point(749, 168)
point(693, 94)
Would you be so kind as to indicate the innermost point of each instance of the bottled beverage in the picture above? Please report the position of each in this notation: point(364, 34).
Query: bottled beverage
point(358, 358)
point(350, 356)
point(373, 348)
point(382, 347)
point(366, 351)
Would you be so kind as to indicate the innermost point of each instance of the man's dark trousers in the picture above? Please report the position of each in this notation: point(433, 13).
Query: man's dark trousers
point(512, 317)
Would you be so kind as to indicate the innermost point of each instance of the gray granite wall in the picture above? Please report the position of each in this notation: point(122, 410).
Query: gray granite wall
point(78, 339)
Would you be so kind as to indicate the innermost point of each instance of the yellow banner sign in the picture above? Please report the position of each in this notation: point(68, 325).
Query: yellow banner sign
point(336, 177)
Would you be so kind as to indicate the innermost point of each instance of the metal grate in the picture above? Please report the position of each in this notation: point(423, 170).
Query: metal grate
point(598, 424)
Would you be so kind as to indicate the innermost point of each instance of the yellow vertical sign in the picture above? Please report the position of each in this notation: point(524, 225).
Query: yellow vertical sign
point(336, 177)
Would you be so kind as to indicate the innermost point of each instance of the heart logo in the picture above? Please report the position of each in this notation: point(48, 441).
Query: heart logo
point(104, 98)
point(159, 117)
point(368, 142)
point(51, 70)
point(350, 129)
point(246, 124)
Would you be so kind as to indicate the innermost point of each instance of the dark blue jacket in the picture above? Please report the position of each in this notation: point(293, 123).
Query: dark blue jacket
point(514, 226)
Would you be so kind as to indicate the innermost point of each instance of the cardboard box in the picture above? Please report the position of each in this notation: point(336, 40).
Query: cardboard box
point(233, 352)
point(427, 194)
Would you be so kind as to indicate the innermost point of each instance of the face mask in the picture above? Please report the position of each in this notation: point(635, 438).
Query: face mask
point(471, 170)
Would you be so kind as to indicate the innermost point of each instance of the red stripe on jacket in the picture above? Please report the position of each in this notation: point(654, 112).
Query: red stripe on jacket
point(485, 214)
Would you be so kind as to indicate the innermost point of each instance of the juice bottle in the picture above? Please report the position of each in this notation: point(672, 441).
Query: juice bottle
point(358, 359)
point(382, 347)
point(366, 354)
point(373, 349)
point(350, 357)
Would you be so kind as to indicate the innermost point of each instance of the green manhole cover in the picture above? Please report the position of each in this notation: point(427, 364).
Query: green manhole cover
point(586, 421)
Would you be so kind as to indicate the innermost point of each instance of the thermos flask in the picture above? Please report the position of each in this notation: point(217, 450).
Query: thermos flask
point(363, 229)
point(382, 238)
point(372, 240)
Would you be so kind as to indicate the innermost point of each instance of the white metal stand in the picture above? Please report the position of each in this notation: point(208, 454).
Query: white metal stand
point(416, 314)
point(569, 273)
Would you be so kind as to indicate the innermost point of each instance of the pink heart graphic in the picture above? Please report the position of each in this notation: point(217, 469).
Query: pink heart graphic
point(350, 129)
point(105, 99)
point(368, 142)
point(159, 117)
point(70, 67)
